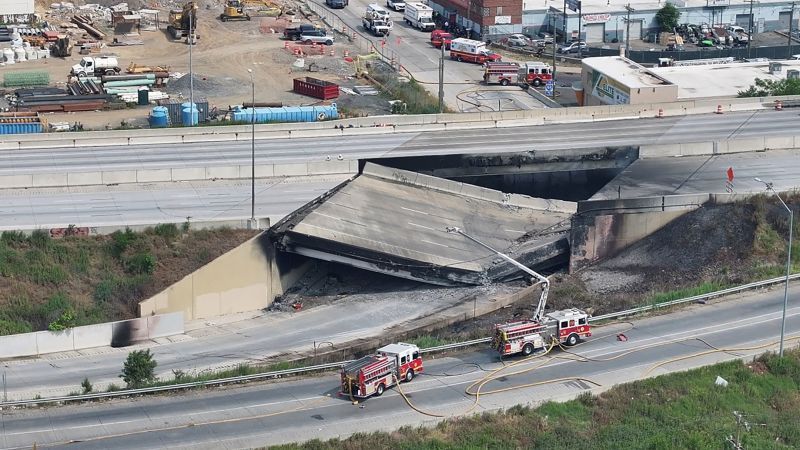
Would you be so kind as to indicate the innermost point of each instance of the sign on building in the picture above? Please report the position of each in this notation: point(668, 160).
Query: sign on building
point(502, 20)
point(596, 18)
point(609, 91)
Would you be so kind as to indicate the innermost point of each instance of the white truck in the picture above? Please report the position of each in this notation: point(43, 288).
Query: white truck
point(420, 16)
point(396, 5)
point(376, 20)
point(96, 65)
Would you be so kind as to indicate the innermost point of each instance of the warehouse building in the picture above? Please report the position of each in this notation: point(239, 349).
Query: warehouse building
point(616, 80)
point(599, 21)
point(15, 11)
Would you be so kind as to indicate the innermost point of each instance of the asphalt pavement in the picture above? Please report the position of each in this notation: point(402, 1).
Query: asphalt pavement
point(137, 204)
point(303, 409)
point(634, 132)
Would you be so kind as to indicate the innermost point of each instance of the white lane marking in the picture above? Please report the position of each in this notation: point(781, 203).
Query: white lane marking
point(414, 210)
point(421, 226)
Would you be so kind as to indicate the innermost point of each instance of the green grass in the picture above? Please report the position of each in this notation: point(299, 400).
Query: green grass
point(678, 411)
point(704, 288)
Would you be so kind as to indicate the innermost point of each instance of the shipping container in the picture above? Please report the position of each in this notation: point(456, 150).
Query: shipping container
point(313, 87)
point(20, 123)
point(286, 114)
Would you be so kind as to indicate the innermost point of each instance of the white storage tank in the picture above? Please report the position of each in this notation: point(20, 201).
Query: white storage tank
point(8, 56)
point(20, 54)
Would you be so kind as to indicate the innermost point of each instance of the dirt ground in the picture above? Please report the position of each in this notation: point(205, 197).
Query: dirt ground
point(220, 60)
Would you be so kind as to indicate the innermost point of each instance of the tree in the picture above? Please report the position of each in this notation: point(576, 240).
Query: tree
point(766, 88)
point(139, 368)
point(667, 17)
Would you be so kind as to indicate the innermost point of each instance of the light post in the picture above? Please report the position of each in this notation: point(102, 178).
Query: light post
point(252, 151)
point(788, 261)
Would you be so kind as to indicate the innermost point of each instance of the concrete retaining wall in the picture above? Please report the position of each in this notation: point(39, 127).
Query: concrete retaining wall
point(71, 179)
point(755, 144)
point(124, 332)
point(381, 124)
point(240, 280)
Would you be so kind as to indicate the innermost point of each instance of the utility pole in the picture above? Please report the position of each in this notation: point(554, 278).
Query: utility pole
point(791, 24)
point(628, 31)
point(564, 25)
point(580, 11)
point(554, 54)
point(750, 31)
point(191, 73)
point(441, 79)
point(253, 152)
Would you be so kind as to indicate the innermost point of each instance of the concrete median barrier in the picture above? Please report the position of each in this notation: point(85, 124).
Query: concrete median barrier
point(91, 336)
point(290, 170)
point(15, 181)
point(48, 180)
point(223, 172)
point(84, 178)
point(327, 167)
point(119, 177)
point(154, 175)
point(189, 174)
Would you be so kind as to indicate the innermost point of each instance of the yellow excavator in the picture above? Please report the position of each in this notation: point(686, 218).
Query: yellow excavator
point(234, 10)
point(183, 22)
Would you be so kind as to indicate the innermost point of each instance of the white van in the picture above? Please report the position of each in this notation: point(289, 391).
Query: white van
point(378, 11)
point(397, 5)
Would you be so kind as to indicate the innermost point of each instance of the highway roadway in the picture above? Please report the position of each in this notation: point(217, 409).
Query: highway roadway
point(147, 204)
point(695, 128)
point(309, 408)
point(412, 49)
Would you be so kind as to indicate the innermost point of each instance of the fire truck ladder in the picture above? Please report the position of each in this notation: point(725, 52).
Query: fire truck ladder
point(537, 315)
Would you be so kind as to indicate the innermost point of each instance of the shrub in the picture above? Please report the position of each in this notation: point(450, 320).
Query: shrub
point(168, 231)
point(86, 386)
point(64, 321)
point(139, 368)
point(40, 239)
point(14, 327)
point(121, 240)
point(141, 263)
point(13, 237)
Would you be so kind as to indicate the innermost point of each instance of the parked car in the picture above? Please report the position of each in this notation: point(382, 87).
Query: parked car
point(544, 42)
point(573, 47)
point(294, 33)
point(336, 4)
point(317, 37)
point(518, 40)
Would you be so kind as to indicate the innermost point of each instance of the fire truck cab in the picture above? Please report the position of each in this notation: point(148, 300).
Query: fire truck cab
point(536, 73)
point(373, 374)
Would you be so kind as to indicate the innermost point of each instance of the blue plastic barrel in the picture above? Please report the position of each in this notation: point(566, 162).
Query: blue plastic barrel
point(159, 117)
point(189, 114)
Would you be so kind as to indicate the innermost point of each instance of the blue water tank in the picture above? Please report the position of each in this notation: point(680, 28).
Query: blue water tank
point(189, 114)
point(159, 117)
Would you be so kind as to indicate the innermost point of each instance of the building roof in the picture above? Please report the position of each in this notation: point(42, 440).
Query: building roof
point(720, 80)
point(616, 6)
point(625, 71)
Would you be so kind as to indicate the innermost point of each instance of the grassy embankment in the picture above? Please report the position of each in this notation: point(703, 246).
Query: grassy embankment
point(55, 284)
point(682, 410)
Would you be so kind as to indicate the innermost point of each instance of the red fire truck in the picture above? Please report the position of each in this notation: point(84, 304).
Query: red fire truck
point(564, 327)
point(501, 73)
point(441, 37)
point(536, 73)
point(472, 51)
point(372, 374)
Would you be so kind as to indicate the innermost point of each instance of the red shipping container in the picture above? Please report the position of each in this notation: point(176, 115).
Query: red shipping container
point(313, 87)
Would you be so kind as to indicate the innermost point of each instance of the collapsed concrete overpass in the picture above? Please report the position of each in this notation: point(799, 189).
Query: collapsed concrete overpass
point(394, 221)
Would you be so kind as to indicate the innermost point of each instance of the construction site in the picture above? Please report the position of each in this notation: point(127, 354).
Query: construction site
point(139, 54)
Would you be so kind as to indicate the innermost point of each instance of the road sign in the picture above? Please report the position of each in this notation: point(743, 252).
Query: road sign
point(548, 88)
point(574, 5)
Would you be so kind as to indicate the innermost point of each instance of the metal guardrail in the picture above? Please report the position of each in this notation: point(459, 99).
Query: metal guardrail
point(335, 365)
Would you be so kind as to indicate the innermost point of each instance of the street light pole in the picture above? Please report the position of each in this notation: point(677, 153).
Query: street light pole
point(252, 151)
point(788, 262)
point(750, 31)
point(791, 26)
point(628, 31)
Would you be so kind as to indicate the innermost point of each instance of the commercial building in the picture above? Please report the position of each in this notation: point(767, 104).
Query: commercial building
point(615, 80)
point(15, 10)
point(599, 21)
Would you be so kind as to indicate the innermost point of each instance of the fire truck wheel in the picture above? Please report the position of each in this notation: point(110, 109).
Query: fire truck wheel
point(379, 391)
point(459, 59)
point(572, 339)
point(537, 82)
point(409, 375)
point(527, 349)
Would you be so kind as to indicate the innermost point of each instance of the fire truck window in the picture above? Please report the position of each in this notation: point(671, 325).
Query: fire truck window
point(564, 324)
point(403, 359)
point(582, 321)
point(572, 323)
point(416, 355)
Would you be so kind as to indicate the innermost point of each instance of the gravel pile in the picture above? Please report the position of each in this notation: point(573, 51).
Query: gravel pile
point(205, 86)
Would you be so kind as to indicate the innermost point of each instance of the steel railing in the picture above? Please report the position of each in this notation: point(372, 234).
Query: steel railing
point(336, 365)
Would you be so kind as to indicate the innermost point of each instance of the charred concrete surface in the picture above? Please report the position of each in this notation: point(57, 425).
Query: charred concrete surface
point(394, 222)
point(532, 161)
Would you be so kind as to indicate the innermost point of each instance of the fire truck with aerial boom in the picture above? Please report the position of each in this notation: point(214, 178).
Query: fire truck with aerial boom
point(566, 326)
point(373, 374)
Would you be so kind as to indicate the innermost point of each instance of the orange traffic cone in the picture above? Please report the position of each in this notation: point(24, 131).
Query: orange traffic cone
point(778, 105)
point(719, 109)
point(660, 113)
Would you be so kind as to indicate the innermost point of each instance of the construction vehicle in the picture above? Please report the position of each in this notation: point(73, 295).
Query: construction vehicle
point(472, 51)
point(183, 22)
point(233, 10)
point(62, 47)
point(373, 374)
point(96, 66)
point(419, 16)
